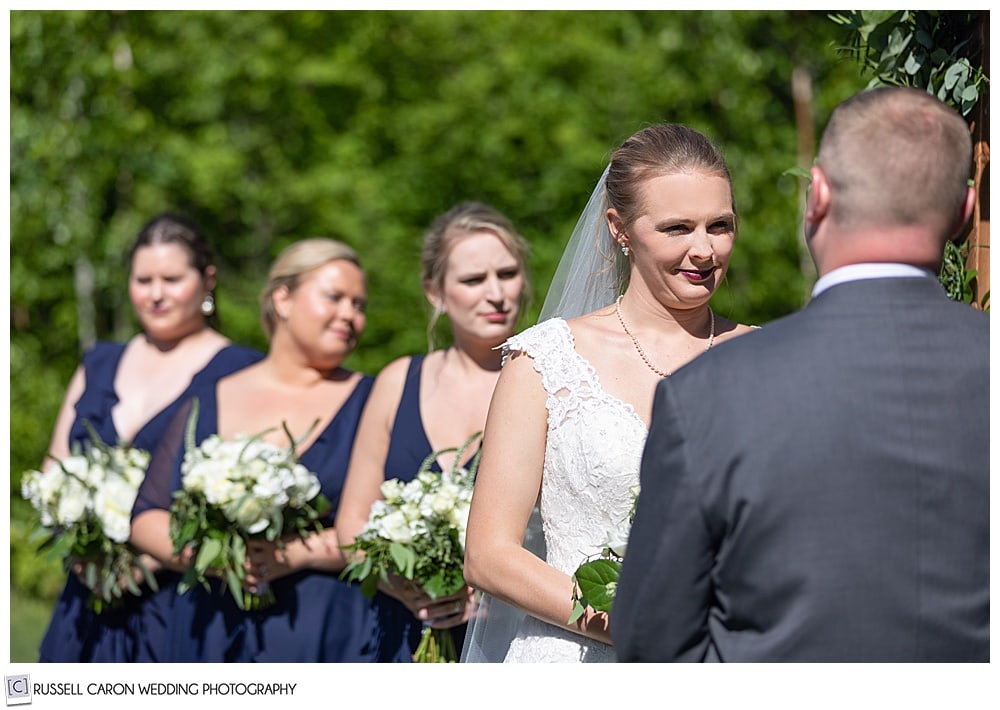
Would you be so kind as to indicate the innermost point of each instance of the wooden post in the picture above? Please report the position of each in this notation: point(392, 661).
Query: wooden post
point(979, 237)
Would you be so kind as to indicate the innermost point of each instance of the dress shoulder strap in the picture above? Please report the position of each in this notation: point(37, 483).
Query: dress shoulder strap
point(550, 345)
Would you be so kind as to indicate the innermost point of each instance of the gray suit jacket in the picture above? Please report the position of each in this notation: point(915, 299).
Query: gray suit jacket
point(818, 490)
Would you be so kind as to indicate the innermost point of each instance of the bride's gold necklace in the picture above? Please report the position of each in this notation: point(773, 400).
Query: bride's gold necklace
point(635, 341)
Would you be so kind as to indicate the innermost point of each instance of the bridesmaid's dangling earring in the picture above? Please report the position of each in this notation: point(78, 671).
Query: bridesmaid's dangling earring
point(208, 305)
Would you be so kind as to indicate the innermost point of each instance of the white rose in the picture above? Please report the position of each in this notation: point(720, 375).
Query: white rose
point(306, 487)
point(270, 487)
point(411, 511)
point(392, 489)
point(42, 491)
point(73, 501)
point(395, 527)
point(76, 467)
point(427, 478)
point(249, 514)
point(617, 541)
point(113, 507)
point(442, 503)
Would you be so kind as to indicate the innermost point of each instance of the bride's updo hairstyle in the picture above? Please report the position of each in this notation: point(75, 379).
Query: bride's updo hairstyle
point(292, 264)
point(663, 149)
point(461, 220)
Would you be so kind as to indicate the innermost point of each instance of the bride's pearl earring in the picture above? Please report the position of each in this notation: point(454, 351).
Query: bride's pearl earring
point(624, 249)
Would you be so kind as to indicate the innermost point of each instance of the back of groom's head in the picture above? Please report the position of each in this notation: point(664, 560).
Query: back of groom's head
point(896, 156)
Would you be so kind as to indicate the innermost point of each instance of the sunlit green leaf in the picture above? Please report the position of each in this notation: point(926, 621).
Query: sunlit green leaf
point(598, 581)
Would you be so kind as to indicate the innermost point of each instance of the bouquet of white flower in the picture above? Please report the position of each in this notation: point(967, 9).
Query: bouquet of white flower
point(85, 510)
point(596, 579)
point(235, 491)
point(418, 533)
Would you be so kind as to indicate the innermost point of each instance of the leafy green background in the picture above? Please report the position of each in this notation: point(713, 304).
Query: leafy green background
point(267, 127)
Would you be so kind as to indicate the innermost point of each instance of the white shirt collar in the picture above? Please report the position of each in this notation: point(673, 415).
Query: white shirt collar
point(857, 272)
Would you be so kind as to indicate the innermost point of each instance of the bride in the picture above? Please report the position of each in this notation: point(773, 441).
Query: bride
point(570, 413)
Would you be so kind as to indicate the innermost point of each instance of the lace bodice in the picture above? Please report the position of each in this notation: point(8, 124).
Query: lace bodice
point(592, 457)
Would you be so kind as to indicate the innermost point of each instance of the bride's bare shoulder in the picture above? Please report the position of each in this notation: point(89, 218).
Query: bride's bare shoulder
point(594, 326)
point(726, 329)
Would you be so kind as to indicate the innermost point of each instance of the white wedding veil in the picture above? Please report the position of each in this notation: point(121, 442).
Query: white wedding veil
point(591, 271)
point(587, 278)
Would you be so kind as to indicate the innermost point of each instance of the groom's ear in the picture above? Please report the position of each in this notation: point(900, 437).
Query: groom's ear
point(818, 198)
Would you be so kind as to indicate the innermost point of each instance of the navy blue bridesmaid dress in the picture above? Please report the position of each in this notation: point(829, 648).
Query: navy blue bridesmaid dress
point(316, 617)
point(399, 630)
point(134, 631)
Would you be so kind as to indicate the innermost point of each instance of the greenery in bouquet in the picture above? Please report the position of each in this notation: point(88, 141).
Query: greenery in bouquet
point(596, 579)
point(418, 533)
point(85, 509)
point(233, 492)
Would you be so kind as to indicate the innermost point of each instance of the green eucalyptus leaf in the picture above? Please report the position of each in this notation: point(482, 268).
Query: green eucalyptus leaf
point(147, 575)
point(235, 585)
point(955, 72)
point(404, 558)
point(924, 38)
point(187, 580)
point(321, 504)
point(365, 569)
point(939, 56)
point(132, 586)
point(369, 585)
point(898, 41)
point(238, 551)
point(108, 584)
point(208, 552)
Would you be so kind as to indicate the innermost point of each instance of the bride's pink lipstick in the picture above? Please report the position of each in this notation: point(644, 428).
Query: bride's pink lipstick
point(496, 317)
point(698, 276)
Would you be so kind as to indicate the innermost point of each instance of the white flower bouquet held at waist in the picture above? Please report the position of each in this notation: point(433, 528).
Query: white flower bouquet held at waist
point(596, 579)
point(235, 491)
point(85, 509)
point(418, 533)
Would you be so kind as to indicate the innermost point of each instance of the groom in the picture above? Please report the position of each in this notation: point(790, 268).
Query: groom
point(818, 490)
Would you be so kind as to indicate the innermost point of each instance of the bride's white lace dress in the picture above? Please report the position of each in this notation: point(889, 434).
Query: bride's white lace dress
point(592, 458)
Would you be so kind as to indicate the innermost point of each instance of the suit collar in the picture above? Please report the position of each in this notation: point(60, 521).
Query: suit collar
point(858, 272)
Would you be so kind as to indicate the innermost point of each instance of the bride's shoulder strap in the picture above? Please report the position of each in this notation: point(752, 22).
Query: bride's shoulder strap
point(550, 346)
point(537, 339)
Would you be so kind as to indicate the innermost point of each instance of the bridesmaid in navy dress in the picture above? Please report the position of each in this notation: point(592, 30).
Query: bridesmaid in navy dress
point(474, 270)
point(129, 392)
point(313, 309)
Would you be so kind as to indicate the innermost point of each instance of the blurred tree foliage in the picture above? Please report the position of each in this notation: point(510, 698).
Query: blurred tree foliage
point(267, 127)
